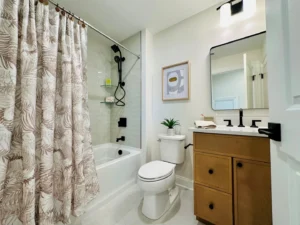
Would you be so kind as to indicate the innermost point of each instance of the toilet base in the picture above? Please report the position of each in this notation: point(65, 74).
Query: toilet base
point(156, 205)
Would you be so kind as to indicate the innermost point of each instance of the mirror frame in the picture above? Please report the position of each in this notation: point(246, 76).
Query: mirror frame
point(210, 69)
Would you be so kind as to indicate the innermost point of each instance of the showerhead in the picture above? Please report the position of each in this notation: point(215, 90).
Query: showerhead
point(115, 48)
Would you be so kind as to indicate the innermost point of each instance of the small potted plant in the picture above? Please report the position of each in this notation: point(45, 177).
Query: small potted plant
point(170, 123)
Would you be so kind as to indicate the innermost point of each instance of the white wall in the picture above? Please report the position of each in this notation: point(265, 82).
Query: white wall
point(132, 109)
point(191, 40)
point(99, 67)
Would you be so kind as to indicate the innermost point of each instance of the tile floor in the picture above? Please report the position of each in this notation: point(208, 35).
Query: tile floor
point(125, 209)
point(181, 215)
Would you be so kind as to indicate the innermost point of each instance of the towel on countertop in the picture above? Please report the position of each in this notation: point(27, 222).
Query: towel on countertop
point(204, 124)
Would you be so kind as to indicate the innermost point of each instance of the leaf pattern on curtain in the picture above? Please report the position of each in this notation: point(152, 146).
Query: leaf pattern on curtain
point(47, 168)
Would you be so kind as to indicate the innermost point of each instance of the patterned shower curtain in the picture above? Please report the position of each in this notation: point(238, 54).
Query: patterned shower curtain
point(47, 169)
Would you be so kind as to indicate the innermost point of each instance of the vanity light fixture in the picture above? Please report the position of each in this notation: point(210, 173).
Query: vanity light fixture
point(225, 15)
point(249, 8)
point(233, 7)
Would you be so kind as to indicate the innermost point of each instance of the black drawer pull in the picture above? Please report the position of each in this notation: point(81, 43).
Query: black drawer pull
point(239, 164)
point(211, 206)
point(210, 171)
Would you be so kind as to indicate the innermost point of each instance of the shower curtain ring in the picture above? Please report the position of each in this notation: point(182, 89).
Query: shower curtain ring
point(57, 8)
point(70, 15)
point(63, 11)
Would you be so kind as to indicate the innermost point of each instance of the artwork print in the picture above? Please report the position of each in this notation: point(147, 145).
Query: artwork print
point(176, 82)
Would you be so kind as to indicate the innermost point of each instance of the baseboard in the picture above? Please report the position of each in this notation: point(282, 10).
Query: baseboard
point(185, 182)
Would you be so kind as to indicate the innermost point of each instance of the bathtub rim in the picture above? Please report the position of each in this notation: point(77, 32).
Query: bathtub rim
point(132, 152)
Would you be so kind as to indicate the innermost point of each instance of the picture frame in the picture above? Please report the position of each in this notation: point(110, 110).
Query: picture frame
point(176, 82)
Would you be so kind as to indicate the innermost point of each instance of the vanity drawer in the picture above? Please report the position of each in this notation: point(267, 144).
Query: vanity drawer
point(254, 148)
point(213, 206)
point(213, 171)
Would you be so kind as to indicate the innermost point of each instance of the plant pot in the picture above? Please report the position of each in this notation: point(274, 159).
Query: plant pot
point(171, 132)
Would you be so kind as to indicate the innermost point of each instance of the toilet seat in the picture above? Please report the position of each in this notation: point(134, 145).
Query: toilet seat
point(154, 179)
point(155, 171)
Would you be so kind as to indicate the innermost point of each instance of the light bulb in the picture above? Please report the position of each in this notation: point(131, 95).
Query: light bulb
point(225, 15)
point(249, 8)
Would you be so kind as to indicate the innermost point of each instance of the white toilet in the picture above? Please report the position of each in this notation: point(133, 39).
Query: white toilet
point(157, 178)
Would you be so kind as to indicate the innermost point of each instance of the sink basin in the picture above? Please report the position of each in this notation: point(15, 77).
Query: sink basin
point(238, 129)
point(222, 129)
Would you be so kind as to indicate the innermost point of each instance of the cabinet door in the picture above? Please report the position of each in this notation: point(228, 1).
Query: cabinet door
point(252, 193)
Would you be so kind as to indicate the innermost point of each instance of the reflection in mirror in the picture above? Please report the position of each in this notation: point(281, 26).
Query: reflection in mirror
point(239, 75)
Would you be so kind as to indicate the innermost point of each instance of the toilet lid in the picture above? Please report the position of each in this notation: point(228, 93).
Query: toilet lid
point(156, 169)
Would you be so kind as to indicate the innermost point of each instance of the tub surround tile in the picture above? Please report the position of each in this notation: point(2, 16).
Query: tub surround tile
point(132, 110)
point(99, 68)
point(104, 118)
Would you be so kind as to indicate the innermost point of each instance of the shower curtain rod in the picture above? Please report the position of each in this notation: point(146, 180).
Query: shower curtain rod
point(95, 29)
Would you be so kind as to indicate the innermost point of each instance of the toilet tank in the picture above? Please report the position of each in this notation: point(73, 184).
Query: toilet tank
point(172, 148)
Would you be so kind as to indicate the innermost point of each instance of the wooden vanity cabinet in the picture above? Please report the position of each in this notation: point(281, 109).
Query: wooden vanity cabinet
point(232, 179)
point(252, 192)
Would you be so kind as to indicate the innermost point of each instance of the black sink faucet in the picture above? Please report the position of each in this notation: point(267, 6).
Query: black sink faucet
point(121, 139)
point(241, 118)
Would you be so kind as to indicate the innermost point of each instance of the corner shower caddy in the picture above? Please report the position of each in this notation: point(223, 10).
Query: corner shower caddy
point(108, 86)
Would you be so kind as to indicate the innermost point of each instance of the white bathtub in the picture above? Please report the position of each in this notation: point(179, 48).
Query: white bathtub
point(116, 170)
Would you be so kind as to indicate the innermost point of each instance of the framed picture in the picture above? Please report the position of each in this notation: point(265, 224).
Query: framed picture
point(176, 82)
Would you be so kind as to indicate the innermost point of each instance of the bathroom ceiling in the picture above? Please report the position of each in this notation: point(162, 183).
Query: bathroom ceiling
point(122, 18)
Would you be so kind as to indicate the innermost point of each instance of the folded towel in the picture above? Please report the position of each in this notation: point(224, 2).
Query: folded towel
point(204, 124)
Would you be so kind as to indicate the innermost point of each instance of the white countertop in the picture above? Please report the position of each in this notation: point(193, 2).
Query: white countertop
point(242, 131)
